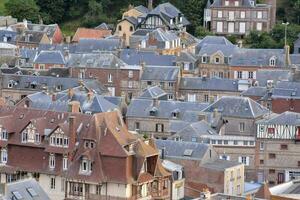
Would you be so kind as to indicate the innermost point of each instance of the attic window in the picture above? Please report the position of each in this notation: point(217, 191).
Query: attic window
point(272, 61)
point(153, 111)
point(188, 152)
point(32, 192)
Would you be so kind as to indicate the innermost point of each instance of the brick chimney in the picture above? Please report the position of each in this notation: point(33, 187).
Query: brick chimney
point(90, 95)
point(70, 93)
point(72, 132)
point(74, 107)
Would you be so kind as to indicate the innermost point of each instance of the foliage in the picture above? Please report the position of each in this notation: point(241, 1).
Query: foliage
point(51, 11)
point(23, 9)
point(201, 32)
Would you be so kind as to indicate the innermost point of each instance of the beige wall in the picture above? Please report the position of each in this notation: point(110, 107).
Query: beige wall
point(132, 13)
point(125, 32)
point(234, 180)
point(55, 194)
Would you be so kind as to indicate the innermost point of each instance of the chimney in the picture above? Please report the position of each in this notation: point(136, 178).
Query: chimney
point(68, 39)
point(287, 55)
point(25, 23)
point(90, 95)
point(216, 113)
point(150, 5)
point(72, 132)
point(163, 153)
point(155, 102)
point(66, 54)
point(70, 93)
point(74, 107)
point(205, 195)
point(143, 65)
point(53, 96)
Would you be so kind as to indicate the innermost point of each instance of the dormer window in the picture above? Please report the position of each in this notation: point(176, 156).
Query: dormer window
point(272, 61)
point(252, 3)
point(204, 59)
point(4, 156)
point(59, 139)
point(86, 166)
point(217, 60)
point(153, 111)
point(175, 114)
point(24, 136)
point(171, 21)
point(51, 161)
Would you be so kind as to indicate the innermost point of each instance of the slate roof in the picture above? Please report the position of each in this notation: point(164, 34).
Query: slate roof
point(216, 84)
point(195, 129)
point(23, 188)
point(176, 149)
point(168, 11)
point(220, 165)
point(142, 9)
point(262, 76)
point(104, 26)
point(242, 107)
point(186, 57)
point(286, 89)
point(164, 109)
point(95, 60)
point(9, 35)
point(295, 59)
point(141, 32)
point(48, 29)
point(258, 57)
point(50, 57)
point(218, 3)
point(210, 49)
point(131, 20)
point(136, 57)
point(255, 91)
point(28, 54)
point(154, 92)
point(213, 40)
point(286, 118)
point(96, 45)
point(87, 33)
point(160, 73)
point(34, 36)
point(164, 35)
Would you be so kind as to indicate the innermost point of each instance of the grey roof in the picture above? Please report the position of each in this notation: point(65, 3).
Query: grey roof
point(96, 45)
point(163, 35)
point(49, 57)
point(210, 49)
point(27, 189)
point(218, 3)
point(178, 150)
point(177, 125)
point(58, 47)
point(208, 4)
point(164, 109)
point(154, 92)
point(33, 36)
point(142, 9)
point(104, 26)
point(186, 57)
point(132, 20)
point(286, 118)
point(141, 32)
point(160, 73)
point(28, 54)
point(263, 75)
point(95, 60)
point(255, 91)
point(48, 29)
point(167, 11)
point(295, 59)
point(286, 89)
point(213, 40)
point(196, 129)
point(216, 84)
point(136, 57)
point(51, 83)
point(220, 165)
point(9, 35)
point(96, 104)
point(242, 107)
point(258, 57)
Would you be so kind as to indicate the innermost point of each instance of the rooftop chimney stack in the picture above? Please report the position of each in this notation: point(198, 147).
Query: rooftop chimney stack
point(150, 4)
point(72, 132)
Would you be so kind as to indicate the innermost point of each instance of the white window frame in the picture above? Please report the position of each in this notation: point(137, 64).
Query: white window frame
point(65, 163)
point(220, 14)
point(4, 156)
point(243, 14)
point(109, 78)
point(259, 26)
point(130, 74)
point(231, 15)
point(220, 27)
point(226, 3)
point(51, 161)
point(259, 14)
point(242, 27)
point(230, 27)
point(236, 3)
point(204, 59)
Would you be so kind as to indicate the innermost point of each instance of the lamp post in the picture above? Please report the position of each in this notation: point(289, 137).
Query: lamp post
point(285, 32)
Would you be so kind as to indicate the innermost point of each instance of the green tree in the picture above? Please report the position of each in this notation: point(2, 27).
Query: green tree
point(201, 32)
point(23, 9)
point(51, 11)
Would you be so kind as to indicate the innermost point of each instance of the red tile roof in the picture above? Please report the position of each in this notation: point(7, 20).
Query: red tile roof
point(85, 33)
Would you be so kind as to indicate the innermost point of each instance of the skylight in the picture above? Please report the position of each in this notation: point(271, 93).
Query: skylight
point(32, 192)
point(17, 195)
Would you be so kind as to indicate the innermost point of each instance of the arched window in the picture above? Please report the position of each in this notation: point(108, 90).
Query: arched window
point(131, 28)
point(272, 61)
point(120, 28)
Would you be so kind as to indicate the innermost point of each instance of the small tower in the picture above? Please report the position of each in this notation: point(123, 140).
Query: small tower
point(207, 15)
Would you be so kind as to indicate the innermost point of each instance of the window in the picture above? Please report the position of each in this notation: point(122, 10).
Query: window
point(243, 14)
point(272, 155)
point(130, 84)
point(149, 83)
point(170, 97)
point(244, 160)
point(204, 59)
point(65, 163)
point(192, 97)
point(37, 138)
point(171, 84)
point(131, 29)
point(51, 161)
point(242, 127)
point(109, 78)
point(271, 171)
point(242, 27)
point(206, 98)
point(219, 27)
point(245, 143)
point(283, 146)
point(231, 27)
point(262, 146)
point(159, 128)
point(235, 142)
point(217, 60)
point(120, 28)
point(251, 143)
point(194, 139)
point(226, 3)
point(220, 14)
point(259, 14)
point(250, 74)
point(261, 162)
point(3, 156)
point(298, 163)
point(219, 141)
point(137, 126)
point(239, 74)
point(24, 136)
point(236, 3)
point(4, 134)
point(130, 74)
point(271, 131)
point(213, 141)
point(86, 166)
point(52, 183)
point(225, 141)
point(272, 62)
point(231, 15)
point(259, 26)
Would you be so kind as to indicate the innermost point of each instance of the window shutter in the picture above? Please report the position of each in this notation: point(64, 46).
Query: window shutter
point(235, 74)
point(228, 157)
point(247, 161)
point(240, 159)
